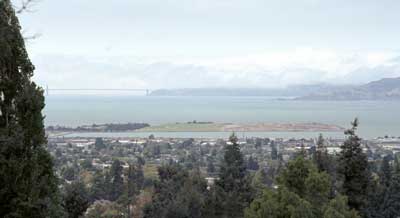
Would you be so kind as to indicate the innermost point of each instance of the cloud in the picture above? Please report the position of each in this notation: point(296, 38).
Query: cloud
point(267, 70)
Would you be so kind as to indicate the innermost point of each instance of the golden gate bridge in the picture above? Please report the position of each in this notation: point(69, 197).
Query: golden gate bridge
point(48, 90)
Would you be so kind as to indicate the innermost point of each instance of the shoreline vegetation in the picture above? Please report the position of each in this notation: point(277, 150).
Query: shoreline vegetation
point(108, 127)
point(195, 126)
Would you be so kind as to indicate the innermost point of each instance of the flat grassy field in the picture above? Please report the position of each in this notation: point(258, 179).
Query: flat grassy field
point(150, 171)
point(185, 127)
point(255, 127)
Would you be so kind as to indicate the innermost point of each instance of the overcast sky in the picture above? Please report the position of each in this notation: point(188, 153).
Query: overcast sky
point(212, 43)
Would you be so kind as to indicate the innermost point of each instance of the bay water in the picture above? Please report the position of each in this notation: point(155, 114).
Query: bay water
point(377, 118)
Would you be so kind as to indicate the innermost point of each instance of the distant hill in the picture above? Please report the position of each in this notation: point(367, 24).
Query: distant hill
point(291, 91)
point(219, 92)
point(384, 89)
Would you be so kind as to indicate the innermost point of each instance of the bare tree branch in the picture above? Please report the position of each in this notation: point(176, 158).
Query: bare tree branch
point(26, 6)
point(32, 37)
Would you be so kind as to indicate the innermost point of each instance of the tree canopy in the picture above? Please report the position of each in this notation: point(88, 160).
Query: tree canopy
point(28, 186)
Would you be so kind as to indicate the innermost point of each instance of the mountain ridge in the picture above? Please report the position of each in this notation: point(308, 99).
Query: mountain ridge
point(383, 89)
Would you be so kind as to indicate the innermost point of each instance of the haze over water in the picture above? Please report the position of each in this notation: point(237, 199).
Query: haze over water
point(377, 118)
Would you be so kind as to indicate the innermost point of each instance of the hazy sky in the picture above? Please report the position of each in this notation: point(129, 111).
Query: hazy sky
point(202, 43)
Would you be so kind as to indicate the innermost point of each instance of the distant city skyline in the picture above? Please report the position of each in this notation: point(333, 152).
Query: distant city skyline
point(204, 43)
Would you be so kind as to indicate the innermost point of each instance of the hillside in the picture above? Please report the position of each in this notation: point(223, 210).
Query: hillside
point(384, 89)
point(291, 91)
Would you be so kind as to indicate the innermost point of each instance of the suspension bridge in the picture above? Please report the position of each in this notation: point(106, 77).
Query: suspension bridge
point(77, 90)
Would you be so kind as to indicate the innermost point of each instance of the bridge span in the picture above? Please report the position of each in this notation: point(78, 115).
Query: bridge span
point(48, 90)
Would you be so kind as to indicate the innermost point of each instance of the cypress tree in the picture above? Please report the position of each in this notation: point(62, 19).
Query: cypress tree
point(28, 186)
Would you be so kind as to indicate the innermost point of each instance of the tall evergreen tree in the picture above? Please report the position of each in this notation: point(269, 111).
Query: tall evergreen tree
point(294, 176)
point(28, 186)
point(325, 162)
point(338, 207)
point(390, 207)
point(135, 179)
point(98, 187)
point(321, 154)
point(385, 173)
point(178, 194)
point(259, 181)
point(134, 183)
point(99, 144)
point(397, 163)
point(303, 192)
point(234, 180)
point(274, 151)
point(384, 201)
point(252, 164)
point(76, 199)
point(117, 182)
point(353, 167)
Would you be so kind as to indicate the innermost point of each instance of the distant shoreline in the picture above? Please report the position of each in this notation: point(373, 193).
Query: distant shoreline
point(243, 127)
point(206, 127)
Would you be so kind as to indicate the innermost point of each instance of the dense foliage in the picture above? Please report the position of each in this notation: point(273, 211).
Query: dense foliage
point(28, 186)
point(353, 168)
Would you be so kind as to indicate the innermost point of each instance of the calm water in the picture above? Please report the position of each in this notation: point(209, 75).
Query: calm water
point(377, 118)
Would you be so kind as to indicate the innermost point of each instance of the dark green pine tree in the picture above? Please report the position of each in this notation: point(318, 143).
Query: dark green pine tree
point(99, 144)
point(380, 195)
point(117, 182)
point(385, 197)
point(353, 168)
point(252, 164)
point(178, 194)
point(274, 151)
point(210, 166)
point(302, 192)
point(234, 180)
point(192, 194)
point(28, 186)
point(325, 162)
point(385, 173)
point(135, 179)
point(321, 154)
point(397, 162)
point(134, 183)
point(391, 203)
point(76, 199)
point(98, 188)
